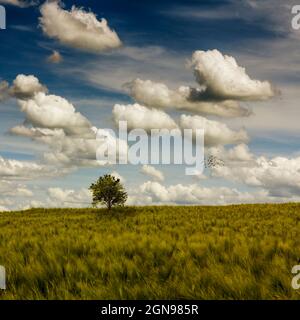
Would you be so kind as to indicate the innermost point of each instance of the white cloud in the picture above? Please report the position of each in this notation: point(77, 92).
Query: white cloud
point(215, 133)
point(69, 198)
point(224, 79)
point(54, 112)
point(70, 151)
point(26, 86)
point(19, 3)
point(55, 57)
point(240, 152)
point(194, 194)
point(56, 197)
point(23, 87)
point(237, 156)
point(279, 175)
point(152, 172)
point(23, 131)
point(55, 123)
point(3, 209)
point(222, 84)
point(15, 169)
point(77, 28)
point(13, 189)
point(158, 95)
point(139, 200)
point(80, 152)
point(140, 117)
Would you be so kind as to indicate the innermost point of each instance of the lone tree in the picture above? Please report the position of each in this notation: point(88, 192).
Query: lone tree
point(109, 191)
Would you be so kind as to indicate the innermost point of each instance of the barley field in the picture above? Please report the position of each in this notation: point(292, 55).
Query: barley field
point(231, 252)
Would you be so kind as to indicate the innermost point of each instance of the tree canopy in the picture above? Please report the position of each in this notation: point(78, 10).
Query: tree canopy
point(109, 191)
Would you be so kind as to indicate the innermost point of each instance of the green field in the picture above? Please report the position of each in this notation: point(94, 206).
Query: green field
point(232, 252)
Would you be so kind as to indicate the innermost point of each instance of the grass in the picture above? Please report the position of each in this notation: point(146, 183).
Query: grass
point(232, 252)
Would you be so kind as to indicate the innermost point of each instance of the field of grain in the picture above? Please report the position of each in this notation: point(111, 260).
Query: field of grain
point(232, 252)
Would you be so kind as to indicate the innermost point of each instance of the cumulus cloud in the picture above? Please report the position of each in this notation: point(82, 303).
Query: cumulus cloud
point(13, 189)
point(77, 28)
point(224, 79)
point(279, 175)
point(64, 150)
point(215, 133)
point(23, 87)
point(19, 3)
point(23, 170)
point(50, 111)
point(240, 152)
point(152, 172)
point(69, 151)
point(72, 151)
point(239, 155)
point(140, 117)
point(158, 95)
point(26, 86)
point(55, 57)
point(56, 197)
point(222, 84)
point(54, 121)
point(155, 192)
point(69, 198)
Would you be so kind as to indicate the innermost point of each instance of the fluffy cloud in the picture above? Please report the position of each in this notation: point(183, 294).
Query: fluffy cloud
point(59, 198)
point(224, 79)
point(152, 172)
point(13, 189)
point(68, 198)
point(194, 194)
point(222, 84)
point(215, 133)
point(19, 3)
point(26, 86)
point(77, 28)
point(66, 151)
point(15, 169)
point(71, 138)
point(3, 209)
point(158, 95)
point(81, 152)
point(70, 151)
point(280, 175)
point(138, 116)
point(23, 87)
point(55, 57)
point(50, 111)
point(240, 152)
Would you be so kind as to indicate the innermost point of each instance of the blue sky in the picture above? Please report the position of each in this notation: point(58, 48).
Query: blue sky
point(158, 38)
